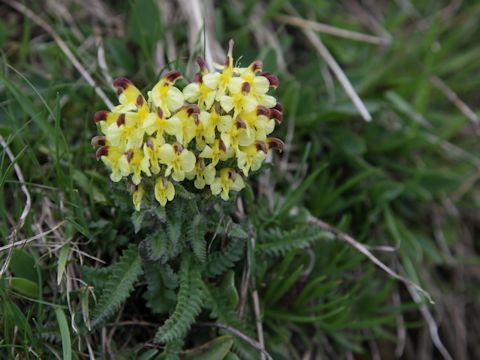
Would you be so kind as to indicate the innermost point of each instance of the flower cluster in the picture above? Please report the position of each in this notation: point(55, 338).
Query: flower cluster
point(213, 132)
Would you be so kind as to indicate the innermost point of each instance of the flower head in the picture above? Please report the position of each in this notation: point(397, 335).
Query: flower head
point(212, 133)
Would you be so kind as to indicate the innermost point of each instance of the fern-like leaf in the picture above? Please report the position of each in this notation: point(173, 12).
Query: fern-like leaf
point(196, 237)
point(279, 242)
point(220, 261)
point(119, 285)
point(189, 304)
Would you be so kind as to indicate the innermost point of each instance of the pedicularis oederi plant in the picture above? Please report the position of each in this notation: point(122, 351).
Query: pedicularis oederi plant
point(184, 153)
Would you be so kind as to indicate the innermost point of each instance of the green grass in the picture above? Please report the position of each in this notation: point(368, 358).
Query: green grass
point(408, 179)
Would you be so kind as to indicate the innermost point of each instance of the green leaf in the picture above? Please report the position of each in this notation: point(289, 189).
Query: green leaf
point(62, 262)
point(189, 303)
point(23, 265)
point(215, 349)
point(64, 333)
point(119, 285)
point(24, 286)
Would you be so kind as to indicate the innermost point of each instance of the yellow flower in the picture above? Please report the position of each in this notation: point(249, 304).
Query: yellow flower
point(211, 119)
point(235, 133)
point(202, 174)
point(138, 163)
point(251, 157)
point(164, 191)
point(217, 152)
point(260, 122)
point(178, 160)
point(151, 152)
point(220, 81)
point(114, 159)
point(105, 119)
point(240, 98)
point(186, 117)
point(165, 95)
point(197, 91)
point(137, 196)
point(125, 133)
point(228, 180)
point(157, 123)
point(128, 95)
point(260, 84)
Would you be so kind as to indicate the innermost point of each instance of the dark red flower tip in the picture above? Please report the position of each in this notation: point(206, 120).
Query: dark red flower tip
point(272, 79)
point(261, 146)
point(150, 143)
point(178, 148)
point(140, 100)
point(257, 65)
point(172, 76)
point(222, 146)
point(129, 155)
point(217, 108)
point(192, 109)
point(159, 112)
point(277, 115)
point(121, 83)
point(98, 141)
point(100, 116)
point(232, 174)
point(275, 143)
point(198, 78)
point(102, 151)
point(279, 107)
point(262, 110)
point(246, 88)
point(241, 124)
point(202, 64)
point(121, 120)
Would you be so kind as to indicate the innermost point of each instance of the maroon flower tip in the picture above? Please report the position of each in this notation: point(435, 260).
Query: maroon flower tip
point(257, 65)
point(202, 64)
point(178, 148)
point(198, 78)
point(121, 120)
point(140, 100)
point(192, 109)
point(100, 116)
point(98, 141)
point(217, 108)
point(172, 76)
point(121, 83)
point(150, 143)
point(279, 107)
point(277, 115)
point(275, 143)
point(261, 146)
point(222, 146)
point(246, 88)
point(129, 155)
point(241, 124)
point(272, 79)
point(232, 174)
point(159, 112)
point(262, 110)
point(102, 151)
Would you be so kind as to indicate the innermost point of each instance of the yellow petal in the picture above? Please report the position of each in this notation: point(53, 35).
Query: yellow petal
point(261, 84)
point(206, 153)
point(175, 99)
point(238, 184)
point(166, 153)
point(216, 186)
point(211, 80)
point(226, 103)
point(137, 197)
point(188, 160)
point(191, 92)
point(170, 191)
